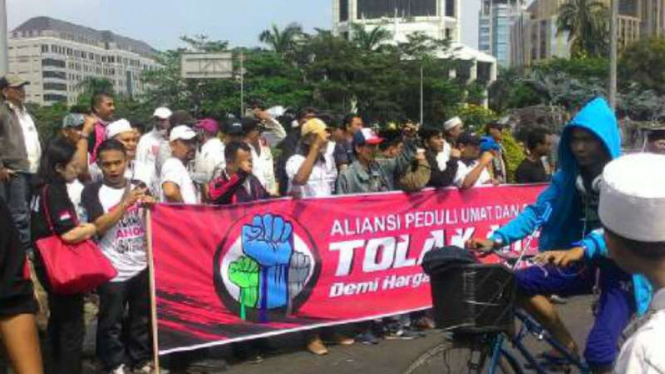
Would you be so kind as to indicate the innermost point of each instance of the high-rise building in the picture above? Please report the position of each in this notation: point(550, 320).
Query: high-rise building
point(652, 14)
point(494, 26)
point(439, 19)
point(56, 56)
point(535, 35)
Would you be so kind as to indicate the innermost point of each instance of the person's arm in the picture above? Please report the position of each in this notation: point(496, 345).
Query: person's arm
point(527, 221)
point(79, 234)
point(302, 176)
point(473, 176)
point(172, 192)
point(110, 219)
point(403, 161)
point(221, 191)
point(416, 180)
point(82, 147)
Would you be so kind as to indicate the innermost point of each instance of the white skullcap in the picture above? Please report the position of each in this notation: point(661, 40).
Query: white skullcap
point(162, 113)
point(117, 127)
point(452, 123)
point(632, 197)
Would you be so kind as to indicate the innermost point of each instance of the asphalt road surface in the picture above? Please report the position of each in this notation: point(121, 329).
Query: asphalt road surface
point(389, 357)
point(287, 355)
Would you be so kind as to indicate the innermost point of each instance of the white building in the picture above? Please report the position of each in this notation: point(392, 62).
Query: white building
point(439, 19)
point(56, 56)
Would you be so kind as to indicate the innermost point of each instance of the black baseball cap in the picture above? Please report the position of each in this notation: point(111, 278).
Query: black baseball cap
point(233, 128)
point(468, 138)
point(250, 124)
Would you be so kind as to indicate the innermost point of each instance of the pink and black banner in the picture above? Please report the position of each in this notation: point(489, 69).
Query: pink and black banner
point(227, 274)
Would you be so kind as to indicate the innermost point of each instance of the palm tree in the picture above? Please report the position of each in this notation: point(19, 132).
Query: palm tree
point(369, 41)
point(282, 41)
point(586, 22)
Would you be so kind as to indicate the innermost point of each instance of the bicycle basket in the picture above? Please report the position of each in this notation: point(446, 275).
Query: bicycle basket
point(474, 298)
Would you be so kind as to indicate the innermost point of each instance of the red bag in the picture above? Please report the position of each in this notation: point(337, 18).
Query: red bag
point(72, 268)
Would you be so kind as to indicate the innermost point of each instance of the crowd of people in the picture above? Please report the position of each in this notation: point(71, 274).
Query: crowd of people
point(97, 175)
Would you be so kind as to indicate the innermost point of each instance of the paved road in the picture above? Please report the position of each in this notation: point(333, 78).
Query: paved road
point(389, 357)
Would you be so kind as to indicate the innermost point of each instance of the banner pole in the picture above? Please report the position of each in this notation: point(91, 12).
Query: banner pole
point(153, 297)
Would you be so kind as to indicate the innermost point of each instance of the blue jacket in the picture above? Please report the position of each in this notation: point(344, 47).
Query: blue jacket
point(564, 228)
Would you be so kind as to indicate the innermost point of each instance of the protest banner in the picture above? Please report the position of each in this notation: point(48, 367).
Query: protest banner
point(227, 274)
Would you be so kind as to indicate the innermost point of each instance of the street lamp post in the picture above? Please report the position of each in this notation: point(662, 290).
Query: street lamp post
point(422, 95)
point(614, 29)
point(4, 51)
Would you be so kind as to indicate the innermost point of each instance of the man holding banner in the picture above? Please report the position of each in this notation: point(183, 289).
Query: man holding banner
point(114, 206)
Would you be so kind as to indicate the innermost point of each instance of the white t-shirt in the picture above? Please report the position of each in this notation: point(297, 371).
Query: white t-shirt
point(209, 159)
point(321, 182)
point(443, 156)
point(124, 244)
point(643, 353)
point(263, 168)
point(463, 170)
point(175, 172)
point(148, 148)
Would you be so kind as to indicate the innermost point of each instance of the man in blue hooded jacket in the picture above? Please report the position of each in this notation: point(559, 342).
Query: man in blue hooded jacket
point(571, 240)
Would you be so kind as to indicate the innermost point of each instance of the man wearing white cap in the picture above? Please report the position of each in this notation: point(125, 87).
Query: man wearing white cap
point(123, 132)
point(148, 148)
point(452, 129)
point(177, 185)
point(632, 210)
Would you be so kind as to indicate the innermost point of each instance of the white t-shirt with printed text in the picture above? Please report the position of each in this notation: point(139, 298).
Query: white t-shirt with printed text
point(125, 243)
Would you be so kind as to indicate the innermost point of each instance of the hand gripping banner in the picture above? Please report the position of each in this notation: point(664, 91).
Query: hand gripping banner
point(226, 274)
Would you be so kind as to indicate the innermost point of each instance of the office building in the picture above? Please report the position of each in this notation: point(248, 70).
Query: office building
point(494, 27)
point(535, 35)
point(57, 56)
point(438, 19)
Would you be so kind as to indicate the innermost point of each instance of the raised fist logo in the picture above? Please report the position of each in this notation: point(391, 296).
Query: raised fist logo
point(266, 267)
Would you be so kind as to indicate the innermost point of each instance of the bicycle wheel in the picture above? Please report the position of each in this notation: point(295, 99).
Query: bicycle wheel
point(458, 358)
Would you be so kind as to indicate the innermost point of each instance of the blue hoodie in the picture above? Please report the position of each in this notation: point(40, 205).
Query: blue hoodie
point(564, 228)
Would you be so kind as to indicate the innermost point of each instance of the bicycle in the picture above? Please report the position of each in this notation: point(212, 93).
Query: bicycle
point(488, 353)
point(481, 346)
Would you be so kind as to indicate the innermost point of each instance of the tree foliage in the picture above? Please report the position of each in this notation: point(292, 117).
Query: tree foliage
point(586, 24)
point(644, 63)
point(369, 40)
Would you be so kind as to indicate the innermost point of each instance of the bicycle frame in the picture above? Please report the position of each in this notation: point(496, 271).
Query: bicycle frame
point(531, 327)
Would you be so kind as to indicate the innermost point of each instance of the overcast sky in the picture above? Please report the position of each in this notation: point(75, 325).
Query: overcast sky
point(162, 22)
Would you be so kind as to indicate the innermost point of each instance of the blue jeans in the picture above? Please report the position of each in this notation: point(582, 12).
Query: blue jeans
point(615, 309)
point(17, 193)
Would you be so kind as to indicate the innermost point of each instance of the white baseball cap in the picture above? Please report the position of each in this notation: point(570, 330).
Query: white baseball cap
point(118, 127)
point(182, 132)
point(452, 123)
point(163, 113)
point(632, 197)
